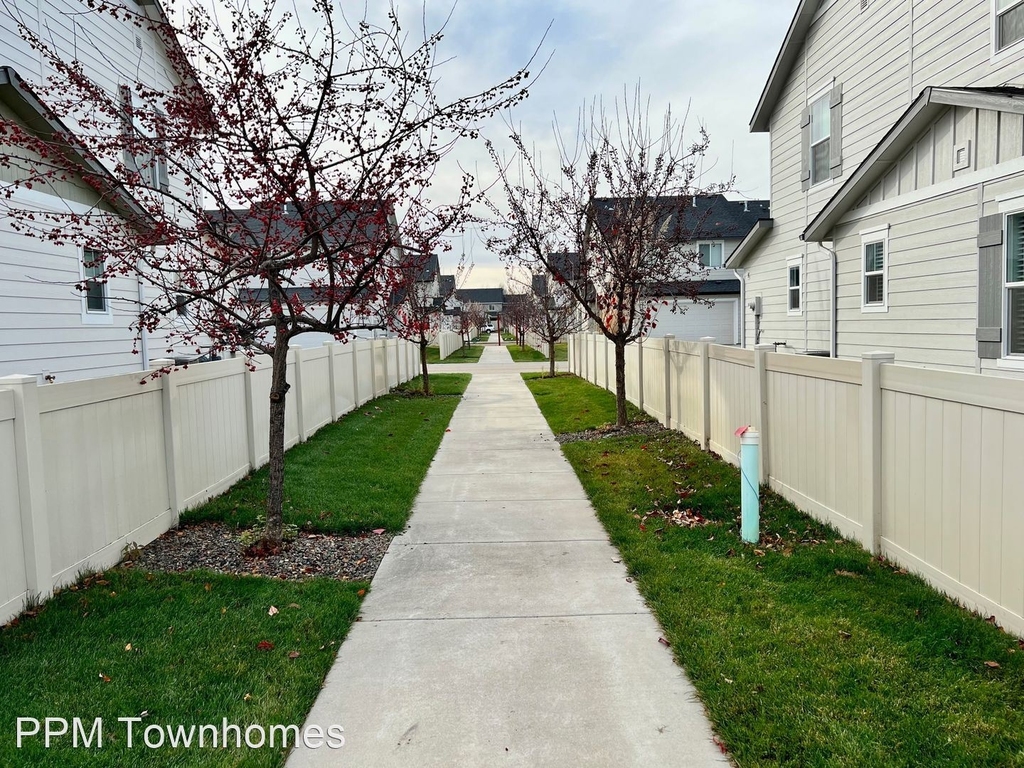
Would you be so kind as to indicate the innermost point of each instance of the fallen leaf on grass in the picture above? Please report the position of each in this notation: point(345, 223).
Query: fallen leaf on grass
point(247, 697)
point(993, 664)
point(264, 645)
point(294, 605)
point(379, 531)
point(294, 655)
point(845, 635)
point(104, 678)
point(128, 647)
point(361, 592)
point(273, 611)
point(850, 574)
point(664, 642)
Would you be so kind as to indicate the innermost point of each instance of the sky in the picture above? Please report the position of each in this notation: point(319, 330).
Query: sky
point(708, 61)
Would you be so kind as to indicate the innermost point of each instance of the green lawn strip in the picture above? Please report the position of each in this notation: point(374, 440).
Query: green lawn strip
point(525, 354)
point(811, 653)
point(360, 473)
point(470, 354)
point(571, 404)
point(193, 660)
point(561, 351)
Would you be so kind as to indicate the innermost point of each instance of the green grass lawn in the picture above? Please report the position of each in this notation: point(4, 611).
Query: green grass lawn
point(804, 649)
point(360, 473)
point(561, 351)
point(176, 650)
point(468, 354)
point(525, 354)
point(572, 404)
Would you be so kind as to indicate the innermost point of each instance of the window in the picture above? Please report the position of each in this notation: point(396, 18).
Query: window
point(794, 305)
point(874, 270)
point(821, 137)
point(95, 300)
point(710, 254)
point(1014, 284)
point(1009, 23)
point(821, 140)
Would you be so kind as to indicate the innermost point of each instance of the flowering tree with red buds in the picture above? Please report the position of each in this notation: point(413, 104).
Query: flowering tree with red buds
point(271, 191)
point(612, 225)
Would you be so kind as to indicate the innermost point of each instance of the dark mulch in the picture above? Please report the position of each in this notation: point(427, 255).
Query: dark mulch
point(217, 547)
point(610, 430)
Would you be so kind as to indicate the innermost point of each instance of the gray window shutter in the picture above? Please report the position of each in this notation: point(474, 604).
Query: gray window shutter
point(836, 135)
point(990, 287)
point(805, 149)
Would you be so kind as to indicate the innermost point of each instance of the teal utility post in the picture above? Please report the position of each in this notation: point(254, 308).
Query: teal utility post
point(750, 446)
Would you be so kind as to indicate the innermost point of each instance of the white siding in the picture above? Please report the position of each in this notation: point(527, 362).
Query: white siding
point(883, 66)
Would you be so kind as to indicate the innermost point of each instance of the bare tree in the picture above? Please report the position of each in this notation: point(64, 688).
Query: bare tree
point(558, 315)
point(421, 296)
point(518, 314)
point(277, 190)
point(471, 320)
point(619, 205)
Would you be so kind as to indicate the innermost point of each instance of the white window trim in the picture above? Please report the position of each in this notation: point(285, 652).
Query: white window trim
point(795, 261)
point(712, 242)
point(824, 90)
point(90, 316)
point(995, 54)
point(1014, 360)
point(867, 236)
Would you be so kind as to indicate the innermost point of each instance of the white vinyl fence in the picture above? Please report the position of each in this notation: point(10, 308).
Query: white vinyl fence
point(88, 467)
point(923, 466)
point(449, 342)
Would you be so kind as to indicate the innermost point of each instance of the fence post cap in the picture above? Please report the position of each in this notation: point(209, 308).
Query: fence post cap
point(879, 355)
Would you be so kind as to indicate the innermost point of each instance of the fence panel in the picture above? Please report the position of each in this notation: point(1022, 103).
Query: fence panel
point(814, 445)
point(380, 383)
point(733, 398)
point(213, 447)
point(364, 359)
point(106, 480)
point(653, 384)
point(344, 381)
point(687, 381)
point(953, 485)
point(13, 578)
point(316, 388)
point(632, 373)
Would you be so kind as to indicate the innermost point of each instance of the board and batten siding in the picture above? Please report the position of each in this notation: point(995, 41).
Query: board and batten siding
point(884, 55)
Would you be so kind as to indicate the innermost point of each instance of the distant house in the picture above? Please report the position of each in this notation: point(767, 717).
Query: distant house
point(897, 185)
point(711, 229)
point(717, 225)
point(491, 300)
point(47, 327)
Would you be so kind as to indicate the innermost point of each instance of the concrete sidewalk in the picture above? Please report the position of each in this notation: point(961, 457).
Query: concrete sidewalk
point(501, 629)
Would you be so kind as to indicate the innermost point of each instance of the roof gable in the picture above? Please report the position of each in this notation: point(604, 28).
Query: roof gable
point(794, 41)
point(917, 120)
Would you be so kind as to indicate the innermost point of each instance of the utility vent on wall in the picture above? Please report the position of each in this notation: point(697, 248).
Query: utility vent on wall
point(863, 5)
point(138, 42)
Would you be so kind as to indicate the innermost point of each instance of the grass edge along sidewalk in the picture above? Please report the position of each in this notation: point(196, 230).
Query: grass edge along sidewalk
point(360, 473)
point(468, 354)
point(196, 648)
point(805, 650)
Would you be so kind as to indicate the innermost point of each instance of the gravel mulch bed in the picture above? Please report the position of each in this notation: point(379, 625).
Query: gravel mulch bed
point(610, 430)
point(216, 547)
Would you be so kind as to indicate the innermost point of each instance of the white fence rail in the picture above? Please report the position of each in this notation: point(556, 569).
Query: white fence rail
point(89, 466)
point(925, 467)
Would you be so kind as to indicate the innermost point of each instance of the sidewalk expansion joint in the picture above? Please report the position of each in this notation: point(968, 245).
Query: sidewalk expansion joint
point(507, 618)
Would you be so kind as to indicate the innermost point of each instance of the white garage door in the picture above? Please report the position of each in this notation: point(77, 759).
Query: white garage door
point(698, 321)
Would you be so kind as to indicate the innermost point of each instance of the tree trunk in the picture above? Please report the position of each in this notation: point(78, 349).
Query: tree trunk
point(275, 477)
point(551, 359)
point(620, 383)
point(423, 366)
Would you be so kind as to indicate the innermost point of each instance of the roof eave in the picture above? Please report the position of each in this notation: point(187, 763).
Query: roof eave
point(784, 61)
point(895, 143)
point(757, 232)
point(113, 192)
